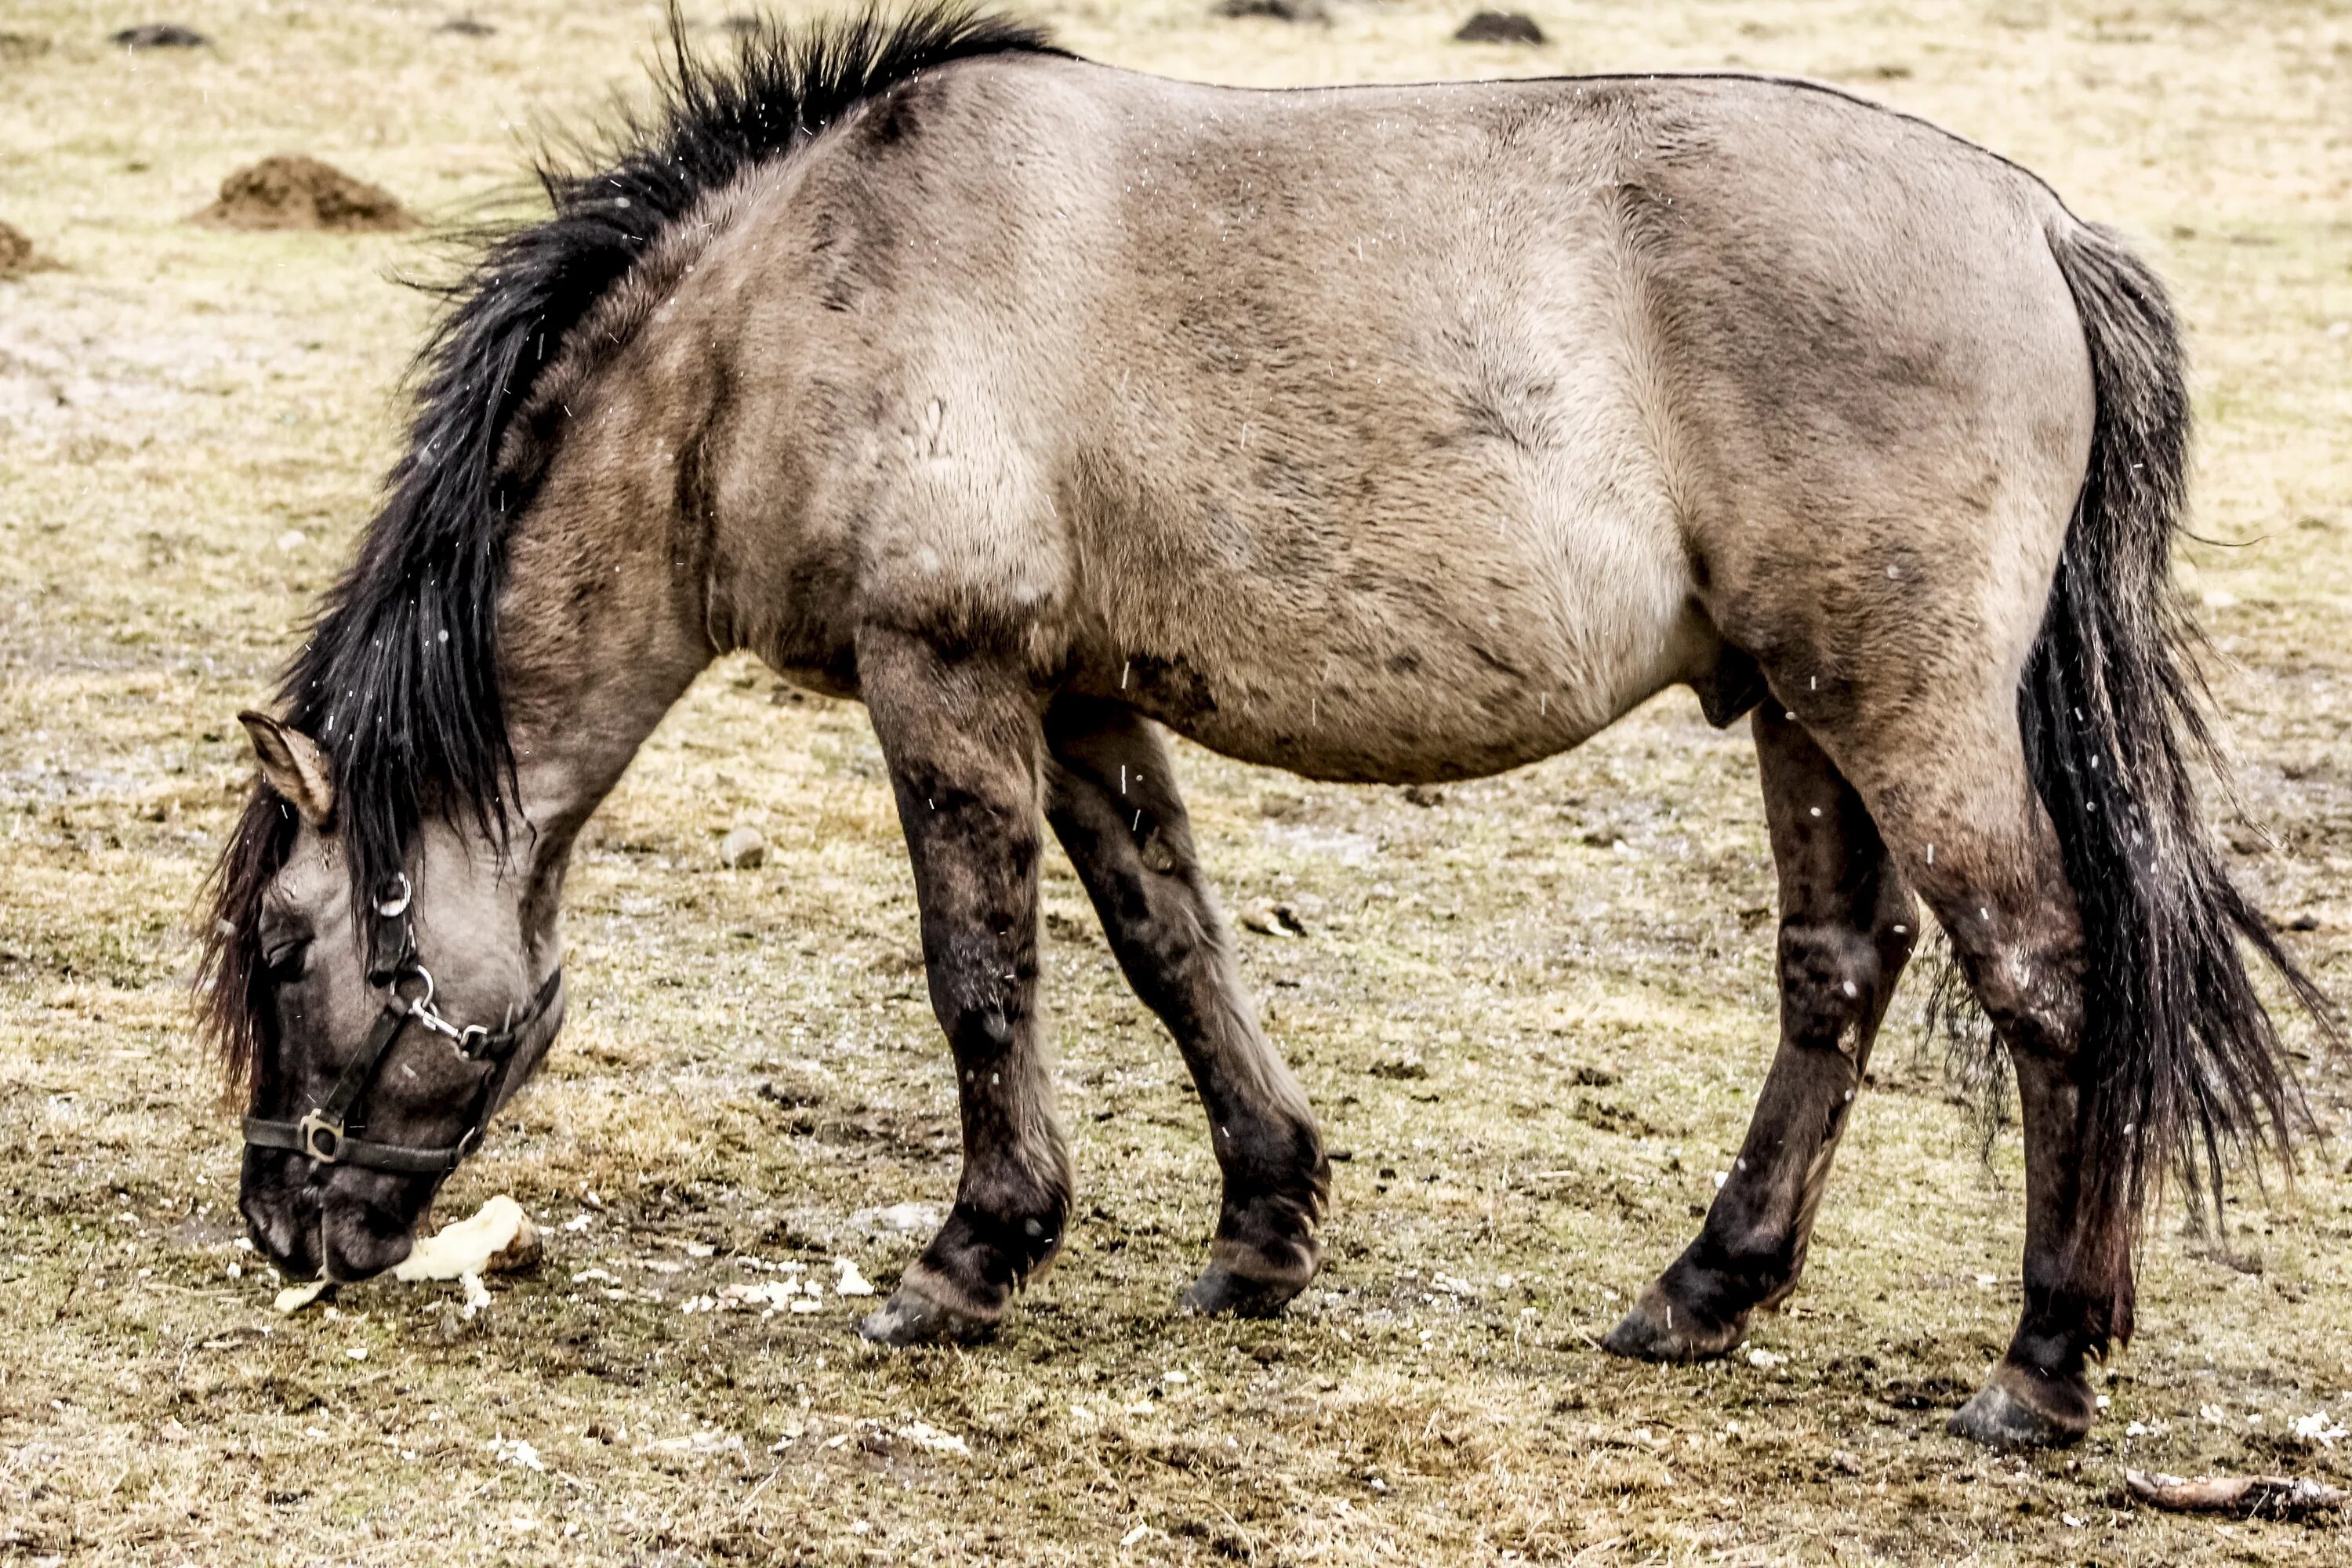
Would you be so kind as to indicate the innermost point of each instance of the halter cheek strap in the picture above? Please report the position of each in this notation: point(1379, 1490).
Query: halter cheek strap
point(319, 1134)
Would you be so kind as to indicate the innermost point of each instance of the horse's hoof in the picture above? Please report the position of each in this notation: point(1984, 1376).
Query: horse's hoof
point(1656, 1330)
point(911, 1318)
point(2017, 1410)
point(1220, 1292)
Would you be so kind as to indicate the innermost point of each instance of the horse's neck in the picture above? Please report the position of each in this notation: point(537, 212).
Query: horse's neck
point(600, 635)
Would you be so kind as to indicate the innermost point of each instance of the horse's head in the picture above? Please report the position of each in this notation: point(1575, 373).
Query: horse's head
point(381, 1017)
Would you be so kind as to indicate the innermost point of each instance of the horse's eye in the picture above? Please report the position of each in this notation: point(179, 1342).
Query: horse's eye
point(284, 961)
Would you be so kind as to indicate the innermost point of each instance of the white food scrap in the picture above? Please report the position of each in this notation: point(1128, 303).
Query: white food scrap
point(500, 1239)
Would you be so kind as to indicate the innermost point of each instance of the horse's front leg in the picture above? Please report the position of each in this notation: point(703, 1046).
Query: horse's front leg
point(962, 739)
point(1111, 796)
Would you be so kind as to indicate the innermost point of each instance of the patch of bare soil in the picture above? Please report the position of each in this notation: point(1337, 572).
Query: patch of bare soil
point(292, 191)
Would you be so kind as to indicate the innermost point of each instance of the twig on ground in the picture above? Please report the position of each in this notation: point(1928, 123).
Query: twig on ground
point(2251, 1497)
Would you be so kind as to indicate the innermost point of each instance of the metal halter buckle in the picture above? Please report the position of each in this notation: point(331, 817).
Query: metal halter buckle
point(312, 1129)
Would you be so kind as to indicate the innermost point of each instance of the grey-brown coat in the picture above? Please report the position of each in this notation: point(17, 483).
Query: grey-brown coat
point(1382, 434)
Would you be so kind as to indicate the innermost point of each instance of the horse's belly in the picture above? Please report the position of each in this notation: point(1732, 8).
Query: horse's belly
point(1480, 662)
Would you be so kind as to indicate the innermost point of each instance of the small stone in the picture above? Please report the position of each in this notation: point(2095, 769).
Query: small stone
point(1499, 27)
point(743, 850)
point(900, 1219)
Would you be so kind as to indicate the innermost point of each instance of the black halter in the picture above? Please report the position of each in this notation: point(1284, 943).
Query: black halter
point(319, 1133)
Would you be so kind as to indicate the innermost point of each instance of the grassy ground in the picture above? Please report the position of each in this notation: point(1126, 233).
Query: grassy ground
point(1534, 1012)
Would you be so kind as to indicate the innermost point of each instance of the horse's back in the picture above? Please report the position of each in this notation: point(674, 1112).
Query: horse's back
point(1399, 432)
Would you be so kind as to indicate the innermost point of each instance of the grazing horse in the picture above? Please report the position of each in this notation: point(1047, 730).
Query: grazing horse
point(1385, 433)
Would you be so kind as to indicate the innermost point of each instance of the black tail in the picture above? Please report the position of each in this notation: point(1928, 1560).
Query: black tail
point(2183, 1058)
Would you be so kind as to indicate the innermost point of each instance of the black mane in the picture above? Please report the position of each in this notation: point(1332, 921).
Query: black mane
point(399, 680)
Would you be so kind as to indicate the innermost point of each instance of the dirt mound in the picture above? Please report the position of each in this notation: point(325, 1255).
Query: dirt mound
point(22, 46)
point(1280, 10)
point(296, 192)
point(160, 36)
point(1499, 27)
point(18, 256)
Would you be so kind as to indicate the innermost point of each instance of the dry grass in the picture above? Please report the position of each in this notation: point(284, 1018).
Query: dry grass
point(191, 424)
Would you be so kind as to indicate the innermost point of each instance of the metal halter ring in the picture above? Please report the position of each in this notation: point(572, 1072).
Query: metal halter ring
point(391, 906)
point(471, 1042)
point(420, 1009)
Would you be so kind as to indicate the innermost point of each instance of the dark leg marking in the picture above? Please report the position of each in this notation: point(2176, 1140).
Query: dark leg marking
point(1956, 802)
point(2023, 957)
point(1846, 929)
point(962, 739)
point(1112, 799)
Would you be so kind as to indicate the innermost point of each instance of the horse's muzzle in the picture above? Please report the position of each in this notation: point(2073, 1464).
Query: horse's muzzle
point(310, 1220)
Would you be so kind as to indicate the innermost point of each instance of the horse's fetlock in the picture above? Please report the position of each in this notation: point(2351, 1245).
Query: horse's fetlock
point(1722, 1274)
point(988, 1251)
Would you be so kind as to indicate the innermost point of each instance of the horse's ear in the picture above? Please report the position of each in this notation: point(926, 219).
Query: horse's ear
point(294, 765)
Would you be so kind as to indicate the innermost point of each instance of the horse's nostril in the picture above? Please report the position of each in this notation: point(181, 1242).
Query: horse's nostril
point(287, 1237)
point(357, 1240)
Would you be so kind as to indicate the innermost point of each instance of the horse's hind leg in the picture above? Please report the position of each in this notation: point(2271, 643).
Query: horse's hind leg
point(1948, 786)
point(963, 738)
point(1846, 929)
point(1111, 797)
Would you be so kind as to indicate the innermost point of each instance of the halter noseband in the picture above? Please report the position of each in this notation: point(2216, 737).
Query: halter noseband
point(319, 1133)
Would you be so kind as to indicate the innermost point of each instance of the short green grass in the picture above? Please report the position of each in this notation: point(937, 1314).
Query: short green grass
point(1533, 1013)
